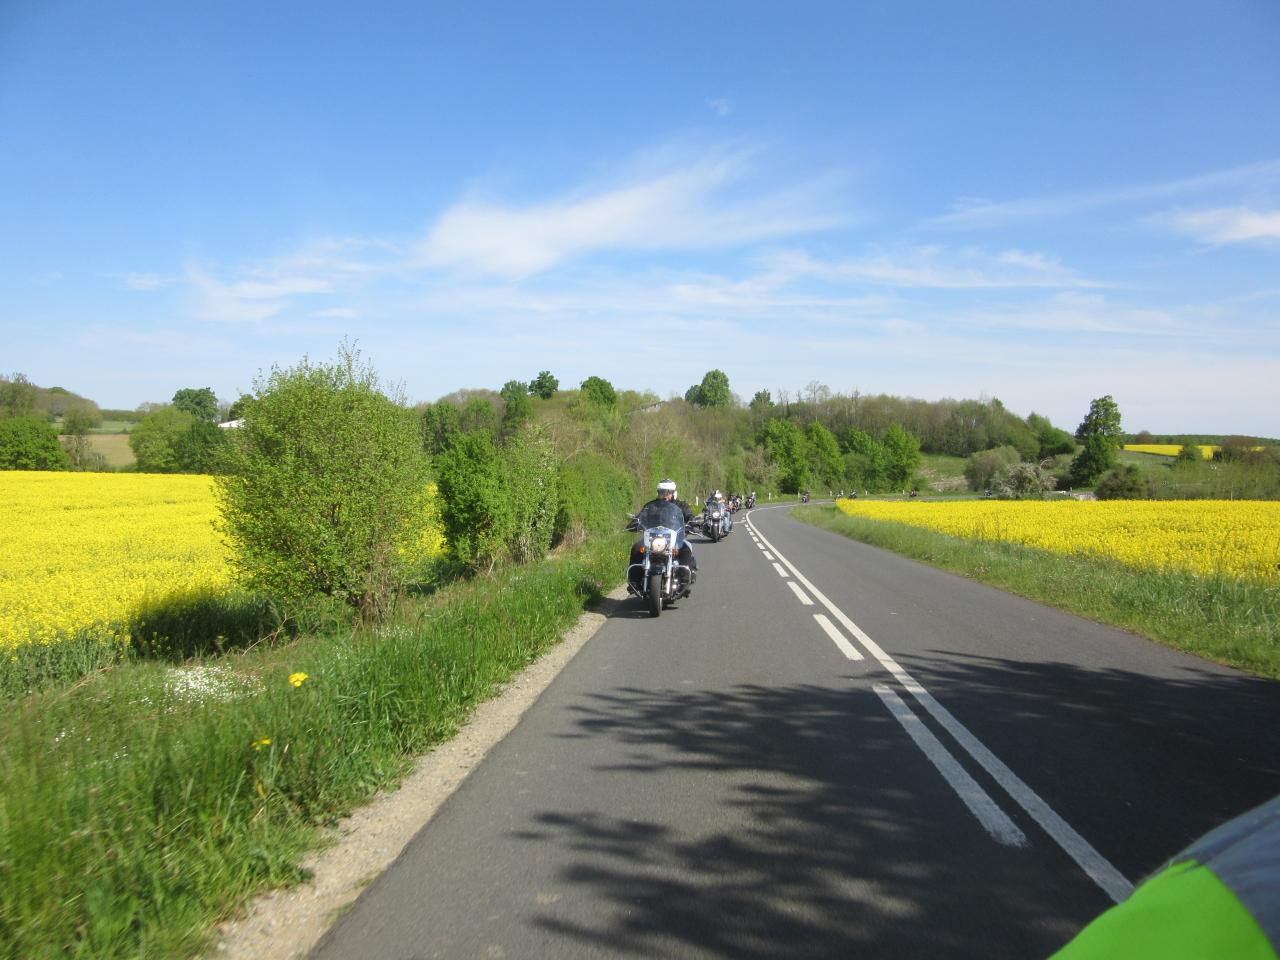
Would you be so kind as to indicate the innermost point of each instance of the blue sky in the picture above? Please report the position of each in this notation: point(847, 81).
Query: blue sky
point(1040, 202)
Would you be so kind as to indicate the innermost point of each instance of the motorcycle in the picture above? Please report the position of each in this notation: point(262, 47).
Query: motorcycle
point(804, 498)
point(662, 577)
point(716, 520)
point(751, 500)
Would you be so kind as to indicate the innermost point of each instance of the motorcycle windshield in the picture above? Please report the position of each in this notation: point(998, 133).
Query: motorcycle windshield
point(663, 513)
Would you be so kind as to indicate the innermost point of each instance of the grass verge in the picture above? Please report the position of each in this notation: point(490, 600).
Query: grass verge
point(146, 802)
point(1230, 621)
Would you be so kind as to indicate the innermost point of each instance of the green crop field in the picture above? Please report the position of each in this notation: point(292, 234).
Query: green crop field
point(113, 446)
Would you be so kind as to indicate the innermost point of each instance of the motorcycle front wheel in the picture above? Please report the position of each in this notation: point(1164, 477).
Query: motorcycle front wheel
point(654, 595)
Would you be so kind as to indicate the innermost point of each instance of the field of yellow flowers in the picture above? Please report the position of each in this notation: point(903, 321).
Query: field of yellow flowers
point(1237, 538)
point(81, 550)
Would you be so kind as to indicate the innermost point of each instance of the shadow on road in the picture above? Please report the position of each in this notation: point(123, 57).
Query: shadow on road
point(820, 835)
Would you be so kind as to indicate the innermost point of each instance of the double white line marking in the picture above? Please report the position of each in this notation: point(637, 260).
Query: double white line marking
point(993, 819)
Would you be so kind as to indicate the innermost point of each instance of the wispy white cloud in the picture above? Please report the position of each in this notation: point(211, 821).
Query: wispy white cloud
point(1227, 224)
point(144, 281)
point(979, 213)
point(682, 209)
point(721, 106)
point(936, 268)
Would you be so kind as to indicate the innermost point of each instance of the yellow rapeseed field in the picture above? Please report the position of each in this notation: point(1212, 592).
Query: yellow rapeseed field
point(80, 550)
point(1239, 538)
point(1172, 449)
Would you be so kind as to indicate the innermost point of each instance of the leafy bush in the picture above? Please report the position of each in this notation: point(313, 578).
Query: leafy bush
point(154, 441)
point(595, 496)
point(30, 443)
point(1124, 483)
point(532, 483)
point(982, 467)
point(475, 510)
point(324, 483)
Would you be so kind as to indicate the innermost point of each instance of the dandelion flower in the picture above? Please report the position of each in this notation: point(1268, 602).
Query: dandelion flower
point(298, 679)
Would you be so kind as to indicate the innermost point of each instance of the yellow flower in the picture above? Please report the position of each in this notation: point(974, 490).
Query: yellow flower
point(261, 742)
point(298, 679)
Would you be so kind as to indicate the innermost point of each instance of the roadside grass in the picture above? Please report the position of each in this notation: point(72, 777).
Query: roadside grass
point(143, 804)
point(1231, 621)
point(944, 474)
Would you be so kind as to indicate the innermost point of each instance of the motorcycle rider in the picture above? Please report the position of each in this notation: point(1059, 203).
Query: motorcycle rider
point(667, 492)
point(717, 500)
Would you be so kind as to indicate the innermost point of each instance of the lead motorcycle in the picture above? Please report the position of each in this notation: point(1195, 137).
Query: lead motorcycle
point(661, 577)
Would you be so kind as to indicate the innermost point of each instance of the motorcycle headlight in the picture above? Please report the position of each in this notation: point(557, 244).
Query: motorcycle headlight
point(715, 515)
point(658, 544)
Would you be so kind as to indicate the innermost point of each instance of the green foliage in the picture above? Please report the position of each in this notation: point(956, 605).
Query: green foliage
point(532, 481)
point(789, 449)
point(544, 385)
point(1102, 420)
point(517, 407)
point(825, 460)
point(238, 407)
point(154, 441)
point(325, 484)
point(599, 392)
point(1123, 483)
point(149, 800)
point(30, 443)
point(475, 510)
point(595, 496)
point(1101, 435)
point(200, 402)
point(441, 423)
point(902, 455)
point(1052, 441)
point(79, 418)
point(761, 401)
point(1096, 456)
point(17, 396)
point(981, 468)
point(713, 391)
point(201, 448)
point(479, 413)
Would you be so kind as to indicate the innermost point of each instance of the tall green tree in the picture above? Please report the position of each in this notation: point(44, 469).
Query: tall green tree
point(1100, 434)
point(825, 459)
point(517, 407)
point(544, 385)
point(713, 391)
point(761, 401)
point(902, 452)
point(200, 402)
point(599, 391)
point(325, 486)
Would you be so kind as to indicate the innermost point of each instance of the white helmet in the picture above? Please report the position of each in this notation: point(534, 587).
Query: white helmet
point(666, 486)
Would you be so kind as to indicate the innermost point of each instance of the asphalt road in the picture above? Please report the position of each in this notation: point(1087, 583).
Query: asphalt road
point(937, 770)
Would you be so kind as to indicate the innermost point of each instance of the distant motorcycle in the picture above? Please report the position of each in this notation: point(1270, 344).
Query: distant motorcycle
point(751, 500)
point(716, 520)
point(662, 577)
point(804, 498)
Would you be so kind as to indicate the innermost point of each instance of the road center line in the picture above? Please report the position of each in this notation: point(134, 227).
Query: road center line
point(847, 648)
point(800, 594)
point(767, 554)
point(993, 819)
point(782, 573)
point(1095, 865)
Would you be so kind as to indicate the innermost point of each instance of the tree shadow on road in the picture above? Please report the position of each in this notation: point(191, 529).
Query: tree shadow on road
point(818, 836)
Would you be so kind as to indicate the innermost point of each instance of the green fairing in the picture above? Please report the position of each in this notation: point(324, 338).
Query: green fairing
point(1182, 913)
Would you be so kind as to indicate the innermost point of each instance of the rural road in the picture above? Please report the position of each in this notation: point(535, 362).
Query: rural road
point(827, 751)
